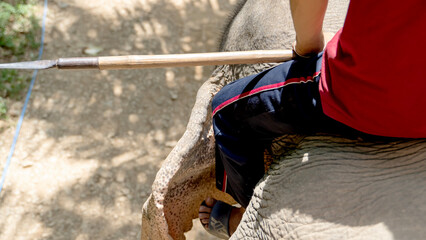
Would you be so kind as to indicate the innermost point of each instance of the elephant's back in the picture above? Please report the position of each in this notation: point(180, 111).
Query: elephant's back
point(336, 188)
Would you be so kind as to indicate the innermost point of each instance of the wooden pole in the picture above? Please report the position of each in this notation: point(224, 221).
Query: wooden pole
point(193, 59)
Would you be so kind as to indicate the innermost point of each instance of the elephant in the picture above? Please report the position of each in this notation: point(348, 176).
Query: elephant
point(319, 186)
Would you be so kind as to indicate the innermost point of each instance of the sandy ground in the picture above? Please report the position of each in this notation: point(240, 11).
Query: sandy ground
point(92, 141)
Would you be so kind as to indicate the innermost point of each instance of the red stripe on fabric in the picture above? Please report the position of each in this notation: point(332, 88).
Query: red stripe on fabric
point(225, 181)
point(265, 88)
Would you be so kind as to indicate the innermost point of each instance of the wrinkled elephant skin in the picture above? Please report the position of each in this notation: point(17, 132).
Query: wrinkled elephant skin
point(335, 188)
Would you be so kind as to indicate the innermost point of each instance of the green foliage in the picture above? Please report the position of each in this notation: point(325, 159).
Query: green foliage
point(18, 34)
point(3, 108)
point(18, 28)
point(11, 83)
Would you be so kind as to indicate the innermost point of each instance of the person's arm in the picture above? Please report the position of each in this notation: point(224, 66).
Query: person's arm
point(308, 16)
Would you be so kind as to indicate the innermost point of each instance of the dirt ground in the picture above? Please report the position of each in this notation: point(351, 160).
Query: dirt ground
point(92, 141)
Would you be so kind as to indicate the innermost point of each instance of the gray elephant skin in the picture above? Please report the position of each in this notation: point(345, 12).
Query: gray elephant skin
point(318, 187)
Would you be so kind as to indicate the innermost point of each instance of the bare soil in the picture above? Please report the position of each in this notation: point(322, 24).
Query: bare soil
point(92, 141)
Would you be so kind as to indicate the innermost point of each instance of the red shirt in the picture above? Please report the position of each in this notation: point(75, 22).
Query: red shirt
point(373, 75)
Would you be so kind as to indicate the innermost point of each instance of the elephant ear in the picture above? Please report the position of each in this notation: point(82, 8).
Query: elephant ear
point(186, 177)
point(336, 188)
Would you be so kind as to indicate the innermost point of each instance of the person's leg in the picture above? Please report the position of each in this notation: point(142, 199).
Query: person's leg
point(250, 112)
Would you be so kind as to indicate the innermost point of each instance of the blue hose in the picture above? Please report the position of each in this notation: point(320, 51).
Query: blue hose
point(27, 98)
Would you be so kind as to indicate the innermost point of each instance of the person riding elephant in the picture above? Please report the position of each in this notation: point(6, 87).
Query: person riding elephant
point(367, 82)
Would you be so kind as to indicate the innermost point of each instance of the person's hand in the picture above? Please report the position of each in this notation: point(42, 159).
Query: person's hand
point(308, 49)
point(313, 49)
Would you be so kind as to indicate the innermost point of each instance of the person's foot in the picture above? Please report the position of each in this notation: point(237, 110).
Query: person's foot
point(206, 209)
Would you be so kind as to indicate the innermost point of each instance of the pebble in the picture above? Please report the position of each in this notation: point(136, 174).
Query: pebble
point(63, 5)
point(105, 174)
point(125, 191)
point(27, 164)
point(171, 144)
point(173, 95)
point(92, 50)
point(111, 135)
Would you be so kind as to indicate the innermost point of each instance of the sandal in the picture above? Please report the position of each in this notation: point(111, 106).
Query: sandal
point(219, 220)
